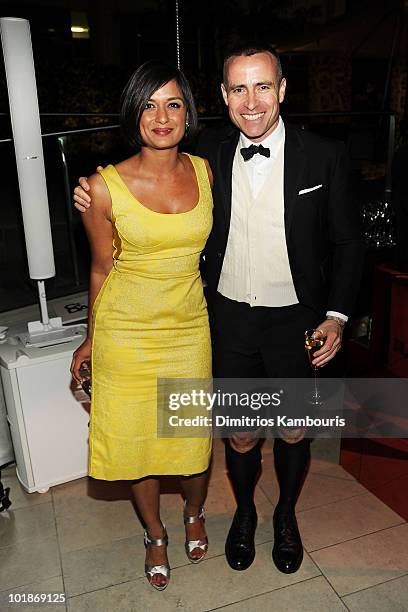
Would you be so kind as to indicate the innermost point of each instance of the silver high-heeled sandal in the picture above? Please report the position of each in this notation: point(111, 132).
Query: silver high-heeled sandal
point(151, 570)
point(191, 545)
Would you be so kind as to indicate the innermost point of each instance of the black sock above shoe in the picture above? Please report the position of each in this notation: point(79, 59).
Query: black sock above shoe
point(291, 463)
point(243, 469)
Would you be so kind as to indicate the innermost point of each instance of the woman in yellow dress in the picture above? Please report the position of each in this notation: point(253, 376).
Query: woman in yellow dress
point(149, 222)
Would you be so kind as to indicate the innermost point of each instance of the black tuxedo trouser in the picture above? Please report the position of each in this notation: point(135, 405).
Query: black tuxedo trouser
point(263, 342)
point(258, 341)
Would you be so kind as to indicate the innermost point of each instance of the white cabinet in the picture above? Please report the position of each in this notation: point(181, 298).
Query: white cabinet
point(49, 427)
point(6, 449)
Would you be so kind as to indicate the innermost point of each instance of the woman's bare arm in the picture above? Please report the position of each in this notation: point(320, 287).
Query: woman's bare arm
point(99, 230)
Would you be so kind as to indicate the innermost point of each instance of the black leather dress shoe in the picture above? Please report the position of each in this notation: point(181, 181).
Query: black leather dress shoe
point(240, 545)
point(287, 552)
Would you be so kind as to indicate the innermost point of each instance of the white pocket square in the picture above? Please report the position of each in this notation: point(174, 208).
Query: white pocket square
point(302, 191)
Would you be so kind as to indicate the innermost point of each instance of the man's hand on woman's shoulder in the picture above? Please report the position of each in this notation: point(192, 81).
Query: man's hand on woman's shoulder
point(82, 199)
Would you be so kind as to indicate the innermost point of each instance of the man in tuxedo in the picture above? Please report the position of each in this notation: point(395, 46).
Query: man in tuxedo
point(284, 255)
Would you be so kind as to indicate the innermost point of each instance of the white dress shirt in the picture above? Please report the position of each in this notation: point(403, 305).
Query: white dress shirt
point(256, 266)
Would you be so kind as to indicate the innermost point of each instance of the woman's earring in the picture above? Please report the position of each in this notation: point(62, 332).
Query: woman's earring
point(187, 125)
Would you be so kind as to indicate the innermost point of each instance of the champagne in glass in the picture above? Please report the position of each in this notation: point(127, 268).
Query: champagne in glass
point(313, 344)
point(314, 340)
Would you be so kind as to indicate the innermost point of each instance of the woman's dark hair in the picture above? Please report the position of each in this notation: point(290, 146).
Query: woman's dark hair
point(147, 79)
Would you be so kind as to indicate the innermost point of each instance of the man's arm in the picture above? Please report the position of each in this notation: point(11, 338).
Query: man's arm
point(346, 239)
point(348, 249)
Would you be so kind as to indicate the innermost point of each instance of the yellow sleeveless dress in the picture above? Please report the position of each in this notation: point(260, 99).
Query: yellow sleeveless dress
point(150, 321)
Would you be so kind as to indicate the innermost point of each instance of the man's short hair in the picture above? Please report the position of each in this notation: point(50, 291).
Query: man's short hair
point(247, 50)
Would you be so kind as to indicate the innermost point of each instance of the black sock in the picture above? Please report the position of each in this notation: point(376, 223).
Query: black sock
point(291, 462)
point(243, 470)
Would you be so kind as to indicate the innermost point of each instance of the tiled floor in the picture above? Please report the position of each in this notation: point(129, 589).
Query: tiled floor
point(83, 538)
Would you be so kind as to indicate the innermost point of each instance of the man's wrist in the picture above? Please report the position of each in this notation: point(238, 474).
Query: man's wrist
point(338, 320)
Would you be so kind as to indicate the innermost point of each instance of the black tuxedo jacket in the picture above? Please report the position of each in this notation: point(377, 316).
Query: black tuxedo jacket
point(322, 226)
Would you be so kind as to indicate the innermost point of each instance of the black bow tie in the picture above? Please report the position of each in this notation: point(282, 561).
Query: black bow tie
point(249, 152)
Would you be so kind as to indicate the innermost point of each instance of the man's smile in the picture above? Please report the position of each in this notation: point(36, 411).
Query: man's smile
point(253, 117)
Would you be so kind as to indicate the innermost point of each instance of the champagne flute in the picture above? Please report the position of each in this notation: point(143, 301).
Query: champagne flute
point(314, 340)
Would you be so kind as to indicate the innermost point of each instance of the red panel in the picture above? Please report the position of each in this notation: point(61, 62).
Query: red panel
point(381, 465)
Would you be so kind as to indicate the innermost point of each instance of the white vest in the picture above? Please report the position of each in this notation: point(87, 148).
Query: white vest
point(256, 265)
